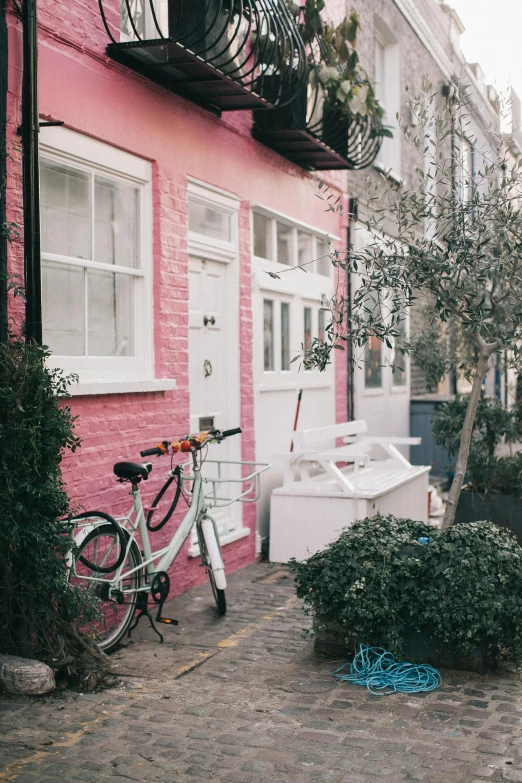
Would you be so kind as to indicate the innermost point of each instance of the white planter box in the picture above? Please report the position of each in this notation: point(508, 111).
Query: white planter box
point(308, 513)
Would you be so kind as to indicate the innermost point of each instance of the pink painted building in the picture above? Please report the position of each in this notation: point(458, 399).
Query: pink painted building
point(162, 217)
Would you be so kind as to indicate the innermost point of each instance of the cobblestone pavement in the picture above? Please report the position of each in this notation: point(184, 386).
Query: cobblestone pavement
point(243, 699)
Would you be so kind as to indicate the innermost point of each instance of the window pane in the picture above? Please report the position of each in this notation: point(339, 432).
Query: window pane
point(323, 264)
point(268, 334)
point(285, 336)
point(137, 8)
point(307, 324)
point(373, 363)
point(110, 314)
point(116, 223)
point(63, 309)
point(262, 237)
point(321, 331)
point(65, 211)
point(284, 244)
point(208, 221)
point(304, 251)
point(399, 357)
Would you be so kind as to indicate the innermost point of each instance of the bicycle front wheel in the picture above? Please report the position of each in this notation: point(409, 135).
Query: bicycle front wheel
point(89, 572)
point(219, 595)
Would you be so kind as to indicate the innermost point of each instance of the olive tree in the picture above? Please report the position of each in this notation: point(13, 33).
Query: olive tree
point(455, 253)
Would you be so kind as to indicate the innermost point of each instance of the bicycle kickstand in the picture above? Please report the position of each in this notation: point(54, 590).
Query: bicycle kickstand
point(142, 606)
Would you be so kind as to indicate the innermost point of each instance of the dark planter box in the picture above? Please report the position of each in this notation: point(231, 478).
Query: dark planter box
point(290, 116)
point(204, 27)
point(335, 129)
point(502, 510)
point(338, 643)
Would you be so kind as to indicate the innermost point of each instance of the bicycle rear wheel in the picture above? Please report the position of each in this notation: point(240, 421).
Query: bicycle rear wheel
point(116, 610)
point(219, 595)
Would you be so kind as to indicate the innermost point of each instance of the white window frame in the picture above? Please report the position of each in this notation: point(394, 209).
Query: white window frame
point(151, 31)
point(388, 93)
point(387, 387)
point(299, 290)
point(112, 374)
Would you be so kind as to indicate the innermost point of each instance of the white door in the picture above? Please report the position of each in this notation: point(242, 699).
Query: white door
point(214, 371)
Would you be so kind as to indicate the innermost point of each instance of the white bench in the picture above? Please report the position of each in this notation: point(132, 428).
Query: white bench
point(327, 487)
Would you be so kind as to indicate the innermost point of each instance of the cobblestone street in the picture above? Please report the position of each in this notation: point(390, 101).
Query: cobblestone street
point(243, 699)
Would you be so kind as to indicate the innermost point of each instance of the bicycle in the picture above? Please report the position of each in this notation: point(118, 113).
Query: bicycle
point(108, 561)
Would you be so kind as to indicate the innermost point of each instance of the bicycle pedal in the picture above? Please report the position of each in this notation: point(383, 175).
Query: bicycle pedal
point(167, 621)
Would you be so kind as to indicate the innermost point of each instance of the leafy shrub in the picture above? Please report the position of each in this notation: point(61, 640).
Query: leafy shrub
point(471, 589)
point(378, 582)
point(494, 422)
point(38, 606)
point(365, 579)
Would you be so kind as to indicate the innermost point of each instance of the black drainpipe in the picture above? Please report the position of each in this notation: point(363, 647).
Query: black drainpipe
point(30, 175)
point(352, 216)
point(3, 172)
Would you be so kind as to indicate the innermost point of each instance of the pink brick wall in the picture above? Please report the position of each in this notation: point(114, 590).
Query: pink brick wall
point(97, 97)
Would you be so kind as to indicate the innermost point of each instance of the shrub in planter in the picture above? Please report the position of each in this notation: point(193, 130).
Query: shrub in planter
point(366, 580)
point(494, 484)
point(377, 584)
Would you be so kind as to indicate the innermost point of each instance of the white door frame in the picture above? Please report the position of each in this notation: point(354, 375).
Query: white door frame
point(226, 252)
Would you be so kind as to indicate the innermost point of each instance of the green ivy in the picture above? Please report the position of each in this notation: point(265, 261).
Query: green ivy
point(378, 582)
point(36, 427)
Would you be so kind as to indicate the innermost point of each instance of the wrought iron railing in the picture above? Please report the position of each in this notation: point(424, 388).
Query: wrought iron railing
point(227, 54)
point(314, 131)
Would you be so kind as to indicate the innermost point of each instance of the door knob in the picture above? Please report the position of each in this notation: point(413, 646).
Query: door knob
point(207, 320)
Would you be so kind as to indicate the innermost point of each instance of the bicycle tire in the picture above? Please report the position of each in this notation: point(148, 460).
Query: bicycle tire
point(158, 499)
point(121, 535)
point(115, 617)
point(219, 595)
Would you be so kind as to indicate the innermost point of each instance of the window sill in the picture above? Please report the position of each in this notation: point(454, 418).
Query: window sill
point(372, 392)
point(299, 384)
point(389, 173)
point(122, 387)
point(235, 535)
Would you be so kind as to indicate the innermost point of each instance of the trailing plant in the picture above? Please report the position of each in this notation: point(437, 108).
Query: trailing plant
point(40, 612)
point(378, 583)
point(339, 73)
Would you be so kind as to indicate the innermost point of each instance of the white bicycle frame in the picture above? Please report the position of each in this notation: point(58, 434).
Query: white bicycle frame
point(162, 559)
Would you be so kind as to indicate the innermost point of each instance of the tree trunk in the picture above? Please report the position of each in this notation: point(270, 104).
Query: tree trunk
point(465, 438)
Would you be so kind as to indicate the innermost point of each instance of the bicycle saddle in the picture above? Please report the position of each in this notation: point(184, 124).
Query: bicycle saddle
point(132, 470)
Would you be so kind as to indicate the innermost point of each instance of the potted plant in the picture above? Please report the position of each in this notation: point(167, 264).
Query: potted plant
point(493, 488)
point(336, 90)
point(384, 580)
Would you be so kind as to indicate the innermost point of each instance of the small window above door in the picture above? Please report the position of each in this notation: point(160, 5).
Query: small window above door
point(212, 222)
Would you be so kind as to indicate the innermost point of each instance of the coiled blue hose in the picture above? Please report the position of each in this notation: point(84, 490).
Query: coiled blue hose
point(377, 669)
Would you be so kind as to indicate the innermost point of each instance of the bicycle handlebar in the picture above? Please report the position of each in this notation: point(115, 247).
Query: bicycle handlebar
point(190, 442)
point(228, 433)
point(151, 452)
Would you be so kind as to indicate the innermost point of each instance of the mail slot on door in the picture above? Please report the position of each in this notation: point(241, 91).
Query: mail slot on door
point(206, 423)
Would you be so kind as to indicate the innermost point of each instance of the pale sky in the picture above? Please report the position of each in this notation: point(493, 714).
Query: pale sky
point(493, 38)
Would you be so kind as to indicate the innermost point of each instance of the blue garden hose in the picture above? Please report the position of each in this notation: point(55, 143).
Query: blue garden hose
point(377, 669)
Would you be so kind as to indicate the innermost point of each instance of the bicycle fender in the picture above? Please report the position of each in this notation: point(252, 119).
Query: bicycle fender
point(214, 553)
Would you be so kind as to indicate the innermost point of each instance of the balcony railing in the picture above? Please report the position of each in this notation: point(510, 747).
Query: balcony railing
point(315, 130)
point(223, 54)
